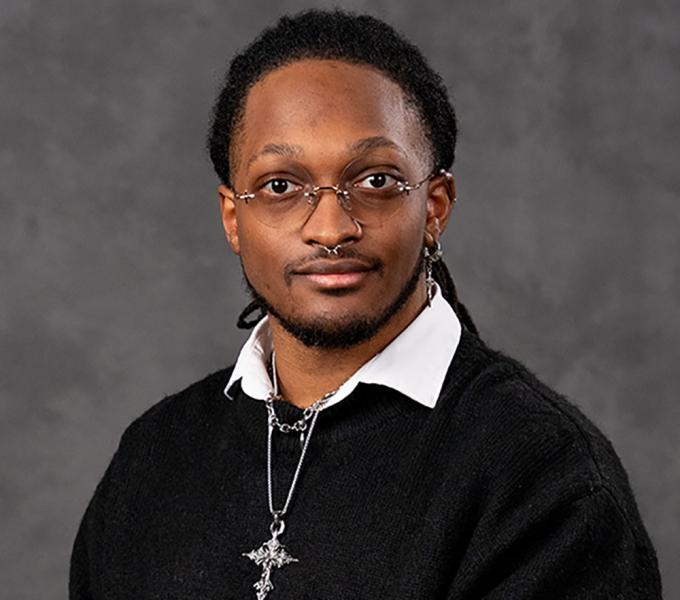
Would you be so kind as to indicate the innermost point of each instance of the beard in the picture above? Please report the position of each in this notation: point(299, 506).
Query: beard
point(338, 333)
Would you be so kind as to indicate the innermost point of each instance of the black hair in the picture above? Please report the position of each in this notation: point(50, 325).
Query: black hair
point(353, 38)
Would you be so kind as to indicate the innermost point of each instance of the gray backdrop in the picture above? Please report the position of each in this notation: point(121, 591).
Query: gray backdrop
point(118, 287)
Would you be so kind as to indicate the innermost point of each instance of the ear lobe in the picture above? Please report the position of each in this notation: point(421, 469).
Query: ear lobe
point(228, 214)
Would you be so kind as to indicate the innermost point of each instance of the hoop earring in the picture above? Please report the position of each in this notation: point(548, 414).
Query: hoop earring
point(431, 257)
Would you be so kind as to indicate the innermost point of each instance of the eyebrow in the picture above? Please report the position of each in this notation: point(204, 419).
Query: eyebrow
point(293, 151)
point(286, 150)
point(376, 141)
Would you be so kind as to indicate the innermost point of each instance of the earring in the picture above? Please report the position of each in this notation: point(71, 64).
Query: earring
point(449, 178)
point(431, 257)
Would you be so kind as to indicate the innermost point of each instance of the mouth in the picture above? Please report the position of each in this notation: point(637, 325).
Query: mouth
point(335, 274)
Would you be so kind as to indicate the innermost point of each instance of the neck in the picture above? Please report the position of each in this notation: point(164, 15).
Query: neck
point(306, 373)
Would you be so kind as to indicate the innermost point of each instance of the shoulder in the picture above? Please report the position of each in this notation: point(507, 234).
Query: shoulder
point(511, 400)
point(528, 435)
point(179, 413)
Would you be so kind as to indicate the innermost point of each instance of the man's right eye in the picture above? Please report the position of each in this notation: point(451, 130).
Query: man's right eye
point(279, 186)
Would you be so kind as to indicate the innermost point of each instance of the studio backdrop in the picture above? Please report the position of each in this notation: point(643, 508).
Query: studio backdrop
point(118, 287)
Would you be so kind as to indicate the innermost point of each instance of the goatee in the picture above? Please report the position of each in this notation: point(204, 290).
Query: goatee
point(330, 334)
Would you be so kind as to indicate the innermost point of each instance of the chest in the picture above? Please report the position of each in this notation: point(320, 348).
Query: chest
point(383, 518)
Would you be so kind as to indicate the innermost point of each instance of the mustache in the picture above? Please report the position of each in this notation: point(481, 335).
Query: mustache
point(372, 262)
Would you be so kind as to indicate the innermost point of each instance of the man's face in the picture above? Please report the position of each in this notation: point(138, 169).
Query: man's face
point(311, 119)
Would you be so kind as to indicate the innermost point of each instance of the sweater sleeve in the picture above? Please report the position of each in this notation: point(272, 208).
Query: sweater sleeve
point(585, 548)
point(103, 532)
point(86, 552)
point(79, 578)
point(86, 555)
point(558, 518)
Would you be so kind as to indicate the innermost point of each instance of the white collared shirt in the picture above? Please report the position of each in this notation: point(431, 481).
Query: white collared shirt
point(414, 363)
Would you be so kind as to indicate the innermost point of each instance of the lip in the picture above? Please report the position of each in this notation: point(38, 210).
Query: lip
point(337, 274)
point(333, 267)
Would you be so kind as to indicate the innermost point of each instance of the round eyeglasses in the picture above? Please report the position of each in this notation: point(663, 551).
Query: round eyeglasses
point(371, 199)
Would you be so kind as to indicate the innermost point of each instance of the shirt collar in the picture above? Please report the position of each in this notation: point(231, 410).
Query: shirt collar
point(414, 363)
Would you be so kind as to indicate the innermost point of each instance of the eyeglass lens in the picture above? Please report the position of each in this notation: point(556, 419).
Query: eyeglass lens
point(370, 204)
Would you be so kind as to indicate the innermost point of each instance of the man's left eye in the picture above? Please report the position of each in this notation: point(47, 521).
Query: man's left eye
point(376, 181)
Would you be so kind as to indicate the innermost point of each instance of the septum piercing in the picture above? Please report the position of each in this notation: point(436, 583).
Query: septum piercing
point(333, 250)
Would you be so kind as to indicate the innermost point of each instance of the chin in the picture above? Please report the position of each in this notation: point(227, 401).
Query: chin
point(340, 322)
point(325, 332)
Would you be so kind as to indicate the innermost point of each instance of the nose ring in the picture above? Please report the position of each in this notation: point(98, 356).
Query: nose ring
point(333, 250)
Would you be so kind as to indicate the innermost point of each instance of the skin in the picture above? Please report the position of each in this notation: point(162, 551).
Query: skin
point(315, 112)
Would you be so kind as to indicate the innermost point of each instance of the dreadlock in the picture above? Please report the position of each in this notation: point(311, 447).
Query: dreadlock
point(441, 275)
point(357, 39)
point(254, 307)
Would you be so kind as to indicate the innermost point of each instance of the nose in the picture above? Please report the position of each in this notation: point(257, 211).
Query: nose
point(331, 222)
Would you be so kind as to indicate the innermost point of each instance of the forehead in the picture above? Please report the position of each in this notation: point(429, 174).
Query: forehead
point(324, 107)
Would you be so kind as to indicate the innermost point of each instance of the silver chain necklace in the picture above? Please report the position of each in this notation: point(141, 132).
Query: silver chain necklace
point(272, 553)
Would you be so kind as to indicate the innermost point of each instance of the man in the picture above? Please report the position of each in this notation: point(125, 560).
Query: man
point(367, 443)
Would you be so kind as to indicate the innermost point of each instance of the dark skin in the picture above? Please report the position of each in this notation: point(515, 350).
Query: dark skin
point(320, 115)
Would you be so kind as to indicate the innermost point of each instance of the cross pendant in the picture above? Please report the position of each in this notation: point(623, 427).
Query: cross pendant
point(270, 554)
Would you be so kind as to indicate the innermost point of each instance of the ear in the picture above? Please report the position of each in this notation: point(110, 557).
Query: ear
point(440, 201)
point(229, 221)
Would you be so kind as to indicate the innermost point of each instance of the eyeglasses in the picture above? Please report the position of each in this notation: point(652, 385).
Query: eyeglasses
point(369, 199)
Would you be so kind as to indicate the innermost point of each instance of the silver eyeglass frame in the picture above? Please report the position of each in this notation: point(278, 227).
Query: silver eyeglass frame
point(343, 195)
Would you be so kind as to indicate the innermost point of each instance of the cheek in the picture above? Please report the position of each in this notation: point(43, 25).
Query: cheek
point(408, 243)
point(407, 256)
point(262, 255)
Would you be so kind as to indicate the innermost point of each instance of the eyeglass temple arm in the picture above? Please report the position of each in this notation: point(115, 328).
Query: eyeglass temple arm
point(245, 196)
point(440, 173)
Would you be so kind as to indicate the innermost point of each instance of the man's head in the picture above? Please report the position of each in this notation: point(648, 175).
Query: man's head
point(358, 39)
point(322, 99)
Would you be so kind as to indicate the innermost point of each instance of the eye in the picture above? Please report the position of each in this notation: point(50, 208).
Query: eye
point(376, 181)
point(280, 187)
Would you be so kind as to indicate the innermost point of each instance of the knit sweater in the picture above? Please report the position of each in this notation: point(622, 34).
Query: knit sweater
point(504, 490)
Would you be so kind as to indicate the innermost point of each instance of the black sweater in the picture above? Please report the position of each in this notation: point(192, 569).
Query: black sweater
point(503, 490)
